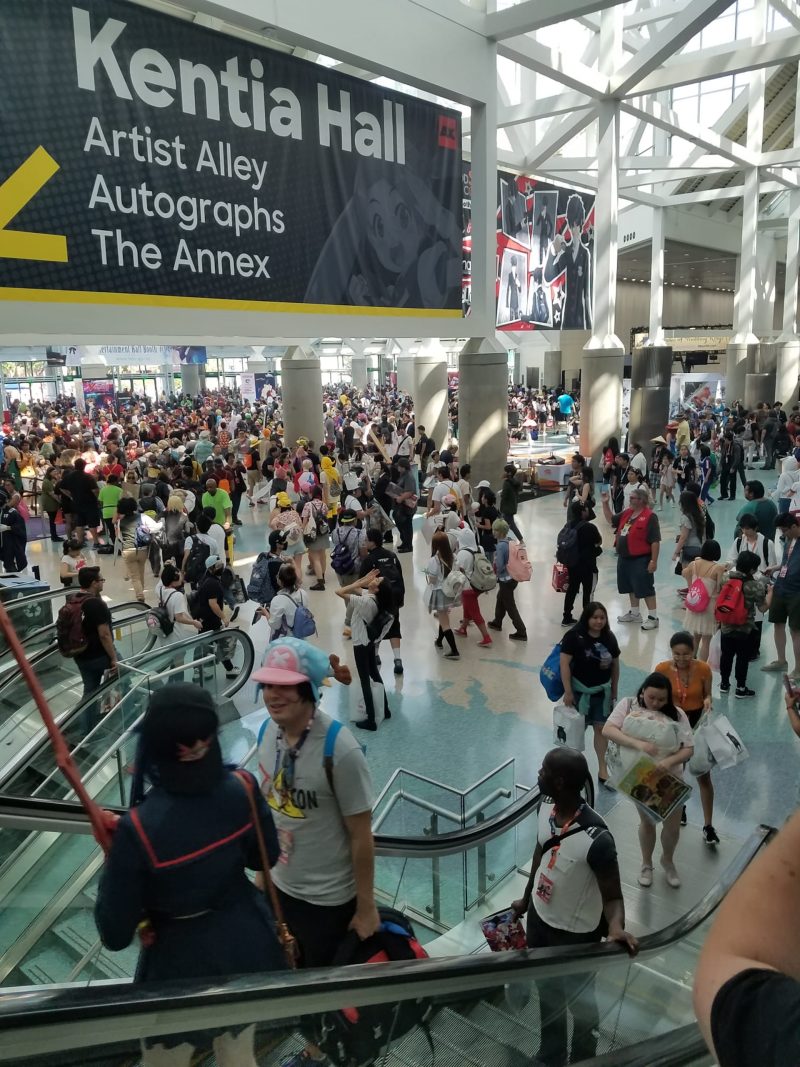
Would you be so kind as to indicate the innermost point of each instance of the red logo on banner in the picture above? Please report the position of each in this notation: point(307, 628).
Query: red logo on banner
point(447, 132)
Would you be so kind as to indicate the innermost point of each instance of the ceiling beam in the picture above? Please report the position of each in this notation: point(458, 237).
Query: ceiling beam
point(780, 47)
point(669, 120)
point(554, 64)
point(678, 32)
point(544, 107)
point(790, 11)
point(728, 192)
point(658, 13)
point(531, 15)
point(654, 177)
point(784, 178)
point(699, 166)
point(560, 132)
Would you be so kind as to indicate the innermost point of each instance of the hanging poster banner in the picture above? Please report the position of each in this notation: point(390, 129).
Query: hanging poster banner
point(545, 250)
point(100, 392)
point(193, 354)
point(247, 386)
point(147, 160)
point(265, 385)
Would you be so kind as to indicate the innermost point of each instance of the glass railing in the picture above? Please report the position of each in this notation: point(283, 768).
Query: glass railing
point(88, 725)
point(20, 723)
point(501, 1009)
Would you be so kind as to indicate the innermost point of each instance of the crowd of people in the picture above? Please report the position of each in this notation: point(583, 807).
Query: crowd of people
point(162, 484)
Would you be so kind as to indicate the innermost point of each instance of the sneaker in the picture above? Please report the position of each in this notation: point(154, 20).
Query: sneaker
point(304, 1058)
point(673, 878)
point(452, 655)
point(743, 692)
point(485, 643)
point(516, 636)
point(362, 724)
point(494, 625)
point(710, 835)
point(233, 673)
point(461, 631)
point(776, 665)
point(646, 876)
point(398, 666)
point(629, 616)
point(724, 687)
point(650, 623)
point(317, 587)
point(568, 621)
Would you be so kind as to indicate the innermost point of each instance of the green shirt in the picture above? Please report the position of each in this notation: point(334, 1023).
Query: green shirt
point(109, 498)
point(765, 514)
point(220, 502)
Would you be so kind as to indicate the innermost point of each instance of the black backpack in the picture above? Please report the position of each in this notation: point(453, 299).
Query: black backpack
point(260, 587)
point(342, 561)
point(357, 1037)
point(389, 567)
point(567, 549)
point(158, 617)
point(196, 563)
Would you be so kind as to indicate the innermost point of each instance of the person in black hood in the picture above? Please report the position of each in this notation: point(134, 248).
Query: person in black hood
point(176, 867)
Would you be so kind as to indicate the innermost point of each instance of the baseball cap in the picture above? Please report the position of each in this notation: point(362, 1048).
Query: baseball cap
point(351, 481)
point(212, 561)
point(484, 485)
point(277, 537)
point(347, 517)
point(290, 661)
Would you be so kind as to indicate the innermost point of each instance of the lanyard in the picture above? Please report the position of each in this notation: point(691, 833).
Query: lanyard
point(289, 755)
point(554, 850)
point(682, 689)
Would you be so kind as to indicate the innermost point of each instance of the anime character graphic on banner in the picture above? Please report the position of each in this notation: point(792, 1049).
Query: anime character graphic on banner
point(100, 393)
point(394, 244)
point(193, 354)
point(545, 245)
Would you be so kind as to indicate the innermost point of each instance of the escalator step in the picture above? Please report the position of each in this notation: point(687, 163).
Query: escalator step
point(51, 963)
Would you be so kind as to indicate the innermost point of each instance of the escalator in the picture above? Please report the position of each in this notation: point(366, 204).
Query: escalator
point(117, 705)
point(483, 1008)
point(20, 724)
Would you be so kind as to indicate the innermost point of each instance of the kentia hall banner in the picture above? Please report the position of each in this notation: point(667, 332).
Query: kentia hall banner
point(145, 156)
point(545, 249)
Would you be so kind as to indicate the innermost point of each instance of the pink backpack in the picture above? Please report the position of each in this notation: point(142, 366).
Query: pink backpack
point(697, 598)
point(518, 566)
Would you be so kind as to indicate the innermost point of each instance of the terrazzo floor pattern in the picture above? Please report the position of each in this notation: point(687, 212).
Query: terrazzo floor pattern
point(455, 721)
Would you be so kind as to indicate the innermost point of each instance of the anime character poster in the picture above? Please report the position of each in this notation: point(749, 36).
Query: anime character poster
point(545, 252)
point(99, 392)
point(192, 354)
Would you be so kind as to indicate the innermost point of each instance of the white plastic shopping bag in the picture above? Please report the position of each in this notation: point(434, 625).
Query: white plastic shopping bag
point(715, 651)
point(725, 744)
point(569, 727)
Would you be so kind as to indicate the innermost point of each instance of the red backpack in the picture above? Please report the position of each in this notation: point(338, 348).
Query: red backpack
point(731, 609)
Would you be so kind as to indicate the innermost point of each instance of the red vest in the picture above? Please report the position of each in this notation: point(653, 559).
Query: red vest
point(636, 533)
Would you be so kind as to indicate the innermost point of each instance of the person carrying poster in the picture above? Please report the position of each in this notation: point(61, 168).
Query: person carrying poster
point(572, 258)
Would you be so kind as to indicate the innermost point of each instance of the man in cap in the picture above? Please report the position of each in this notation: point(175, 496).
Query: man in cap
point(315, 779)
point(208, 605)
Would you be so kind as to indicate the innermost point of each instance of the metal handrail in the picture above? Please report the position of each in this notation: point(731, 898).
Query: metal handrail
point(440, 785)
point(40, 739)
point(52, 1018)
point(443, 813)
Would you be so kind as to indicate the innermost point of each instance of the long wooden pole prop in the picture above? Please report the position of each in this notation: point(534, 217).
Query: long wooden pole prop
point(64, 761)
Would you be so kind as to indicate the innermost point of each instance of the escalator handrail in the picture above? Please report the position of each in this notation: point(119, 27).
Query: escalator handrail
point(682, 1047)
point(41, 739)
point(280, 996)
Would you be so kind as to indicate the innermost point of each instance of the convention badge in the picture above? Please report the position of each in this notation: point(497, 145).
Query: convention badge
point(286, 843)
point(544, 890)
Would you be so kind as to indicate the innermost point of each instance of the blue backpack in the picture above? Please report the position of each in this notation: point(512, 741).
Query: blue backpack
point(550, 675)
point(303, 625)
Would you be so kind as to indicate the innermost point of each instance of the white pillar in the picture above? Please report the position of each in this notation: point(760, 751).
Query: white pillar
point(766, 264)
point(788, 346)
point(656, 332)
point(405, 365)
point(483, 408)
point(743, 335)
point(301, 390)
point(428, 375)
point(190, 379)
point(358, 363)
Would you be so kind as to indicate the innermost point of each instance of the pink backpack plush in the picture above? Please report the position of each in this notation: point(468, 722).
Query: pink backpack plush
point(697, 598)
point(518, 566)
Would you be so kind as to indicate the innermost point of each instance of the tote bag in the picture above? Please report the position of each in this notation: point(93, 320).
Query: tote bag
point(569, 727)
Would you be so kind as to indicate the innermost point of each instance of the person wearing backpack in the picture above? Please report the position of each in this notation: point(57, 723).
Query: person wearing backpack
point(372, 601)
point(740, 596)
point(784, 603)
point(752, 540)
point(509, 498)
point(575, 901)
point(705, 576)
point(196, 549)
point(467, 559)
point(316, 533)
point(439, 600)
point(315, 779)
point(263, 583)
point(347, 545)
point(287, 602)
point(578, 547)
point(505, 603)
point(134, 552)
point(171, 599)
point(97, 652)
point(208, 605)
point(380, 557)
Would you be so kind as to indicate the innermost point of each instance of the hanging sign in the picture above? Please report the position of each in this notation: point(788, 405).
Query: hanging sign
point(147, 160)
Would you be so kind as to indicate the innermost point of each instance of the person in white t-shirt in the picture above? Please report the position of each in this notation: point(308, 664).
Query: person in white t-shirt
point(638, 460)
point(284, 604)
point(443, 487)
point(170, 596)
point(464, 490)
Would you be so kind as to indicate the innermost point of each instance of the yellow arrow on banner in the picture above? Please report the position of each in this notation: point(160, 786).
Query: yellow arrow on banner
point(15, 193)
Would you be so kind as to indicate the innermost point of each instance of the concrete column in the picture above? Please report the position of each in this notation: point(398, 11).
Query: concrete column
point(787, 371)
point(787, 350)
point(651, 370)
point(483, 408)
point(655, 339)
point(601, 401)
point(551, 374)
point(358, 372)
point(427, 376)
point(301, 390)
point(736, 372)
point(766, 263)
point(190, 379)
point(758, 388)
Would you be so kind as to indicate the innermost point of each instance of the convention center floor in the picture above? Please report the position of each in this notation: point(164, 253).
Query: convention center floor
point(456, 721)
